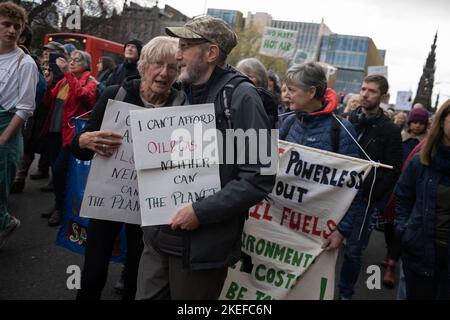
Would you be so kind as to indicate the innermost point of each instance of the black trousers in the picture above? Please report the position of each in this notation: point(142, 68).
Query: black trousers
point(101, 236)
point(419, 287)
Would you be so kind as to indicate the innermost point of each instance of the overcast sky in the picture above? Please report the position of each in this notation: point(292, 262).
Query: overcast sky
point(405, 28)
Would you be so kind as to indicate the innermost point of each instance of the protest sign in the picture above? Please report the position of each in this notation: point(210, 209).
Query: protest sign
point(380, 70)
point(404, 100)
point(283, 236)
point(164, 191)
point(171, 134)
point(112, 188)
point(177, 157)
point(278, 43)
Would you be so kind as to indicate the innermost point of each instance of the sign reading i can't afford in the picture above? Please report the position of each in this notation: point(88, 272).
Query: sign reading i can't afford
point(112, 188)
point(279, 43)
point(176, 155)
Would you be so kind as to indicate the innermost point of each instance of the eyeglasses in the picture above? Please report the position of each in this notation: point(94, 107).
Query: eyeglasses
point(171, 67)
point(183, 46)
point(75, 60)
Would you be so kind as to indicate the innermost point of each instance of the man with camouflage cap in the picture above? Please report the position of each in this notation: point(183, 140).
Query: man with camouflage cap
point(51, 47)
point(189, 258)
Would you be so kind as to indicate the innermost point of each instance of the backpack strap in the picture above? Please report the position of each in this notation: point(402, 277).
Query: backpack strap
point(227, 94)
point(335, 133)
point(120, 95)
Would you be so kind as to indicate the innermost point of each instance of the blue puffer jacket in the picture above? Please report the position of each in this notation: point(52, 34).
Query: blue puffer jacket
point(416, 215)
point(313, 130)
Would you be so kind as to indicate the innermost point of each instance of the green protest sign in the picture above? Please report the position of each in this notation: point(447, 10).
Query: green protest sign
point(278, 43)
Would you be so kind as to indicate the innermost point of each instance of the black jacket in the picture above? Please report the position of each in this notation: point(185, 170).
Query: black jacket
point(381, 140)
point(121, 72)
point(216, 243)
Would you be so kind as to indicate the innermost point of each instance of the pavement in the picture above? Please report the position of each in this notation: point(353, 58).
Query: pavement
point(32, 267)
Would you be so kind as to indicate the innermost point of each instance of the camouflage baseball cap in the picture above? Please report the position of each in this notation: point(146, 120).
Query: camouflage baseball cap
point(53, 45)
point(213, 29)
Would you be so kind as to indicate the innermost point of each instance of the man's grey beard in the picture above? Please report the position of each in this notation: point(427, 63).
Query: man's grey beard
point(194, 73)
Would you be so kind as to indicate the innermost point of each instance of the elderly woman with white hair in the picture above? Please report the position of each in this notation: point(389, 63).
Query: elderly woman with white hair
point(158, 71)
point(72, 96)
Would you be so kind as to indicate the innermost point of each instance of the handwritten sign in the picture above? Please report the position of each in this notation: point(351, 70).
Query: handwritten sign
point(177, 159)
point(173, 134)
point(279, 43)
point(112, 188)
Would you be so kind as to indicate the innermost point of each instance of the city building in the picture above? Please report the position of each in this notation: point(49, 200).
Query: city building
point(258, 20)
point(382, 55)
point(234, 18)
point(143, 23)
point(352, 55)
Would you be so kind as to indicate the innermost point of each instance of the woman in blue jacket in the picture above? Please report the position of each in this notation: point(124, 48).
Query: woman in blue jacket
point(313, 124)
point(423, 214)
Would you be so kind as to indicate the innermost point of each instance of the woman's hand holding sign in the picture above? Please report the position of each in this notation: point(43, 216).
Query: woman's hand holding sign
point(101, 142)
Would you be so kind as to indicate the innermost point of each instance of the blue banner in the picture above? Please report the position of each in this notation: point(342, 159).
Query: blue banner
point(72, 234)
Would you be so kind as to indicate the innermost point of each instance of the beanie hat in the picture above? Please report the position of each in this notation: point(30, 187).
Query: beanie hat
point(69, 48)
point(137, 43)
point(418, 115)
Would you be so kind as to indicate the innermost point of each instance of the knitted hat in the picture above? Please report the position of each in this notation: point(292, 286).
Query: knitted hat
point(136, 42)
point(69, 48)
point(418, 115)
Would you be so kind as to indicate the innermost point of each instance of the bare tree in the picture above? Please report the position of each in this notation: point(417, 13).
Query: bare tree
point(45, 5)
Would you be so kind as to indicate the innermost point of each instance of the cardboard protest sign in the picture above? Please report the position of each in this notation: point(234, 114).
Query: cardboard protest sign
point(112, 189)
point(278, 43)
point(164, 191)
point(171, 134)
point(283, 236)
point(177, 157)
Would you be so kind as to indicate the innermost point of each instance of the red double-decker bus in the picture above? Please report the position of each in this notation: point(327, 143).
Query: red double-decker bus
point(96, 47)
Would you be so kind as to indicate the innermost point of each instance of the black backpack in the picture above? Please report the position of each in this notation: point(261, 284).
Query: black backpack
point(268, 100)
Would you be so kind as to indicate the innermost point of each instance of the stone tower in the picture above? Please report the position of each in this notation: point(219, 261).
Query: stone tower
point(425, 88)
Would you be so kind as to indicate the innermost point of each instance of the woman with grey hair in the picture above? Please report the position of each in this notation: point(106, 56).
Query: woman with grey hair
point(314, 125)
point(72, 96)
point(255, 71)
point(158, 71)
